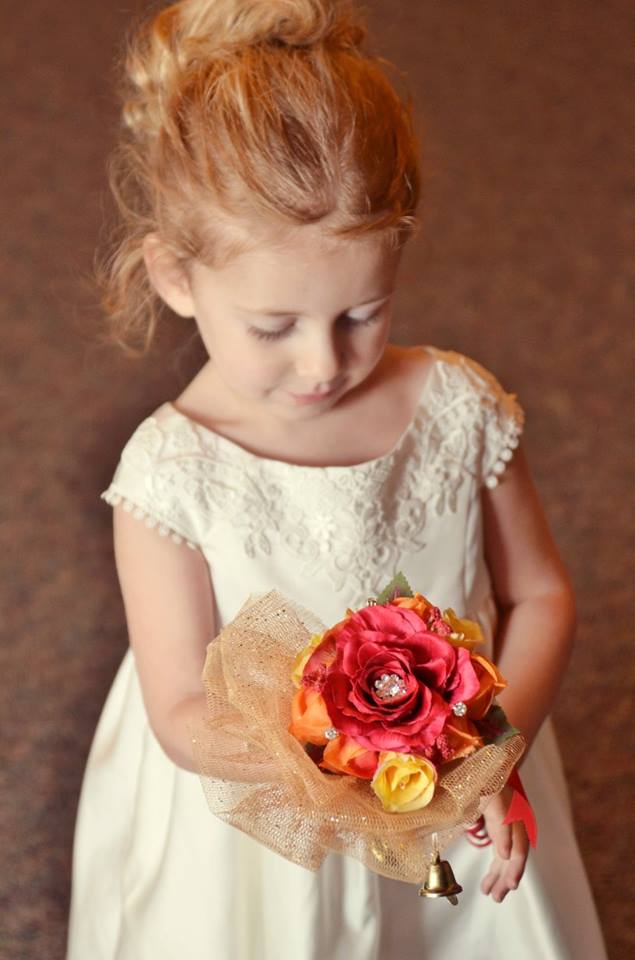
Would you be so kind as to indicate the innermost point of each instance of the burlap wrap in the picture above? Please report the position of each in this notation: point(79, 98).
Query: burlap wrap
point(258, 778)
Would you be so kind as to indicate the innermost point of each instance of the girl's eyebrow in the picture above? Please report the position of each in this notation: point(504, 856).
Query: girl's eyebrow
point(292, 313)
point(267, 313)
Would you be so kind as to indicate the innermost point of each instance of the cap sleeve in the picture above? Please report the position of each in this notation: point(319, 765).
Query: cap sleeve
point(502, 421)
point(145, 484)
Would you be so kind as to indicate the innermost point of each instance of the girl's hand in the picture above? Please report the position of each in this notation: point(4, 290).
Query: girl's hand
point(510, 845)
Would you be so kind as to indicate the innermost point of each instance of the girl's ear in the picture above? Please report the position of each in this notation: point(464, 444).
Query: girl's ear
point(168, 276)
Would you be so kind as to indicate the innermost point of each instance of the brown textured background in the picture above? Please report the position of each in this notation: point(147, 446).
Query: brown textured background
point(525, 262)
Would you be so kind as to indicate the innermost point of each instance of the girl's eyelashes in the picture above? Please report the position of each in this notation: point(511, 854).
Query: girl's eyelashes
point(352, 322)
point(269, 334)
point(345, 320)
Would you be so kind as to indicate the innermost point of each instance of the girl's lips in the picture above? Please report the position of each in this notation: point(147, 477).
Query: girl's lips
point(311, 397)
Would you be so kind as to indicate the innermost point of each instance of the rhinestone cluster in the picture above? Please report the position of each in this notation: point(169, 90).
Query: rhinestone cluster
point(459, 709)
point(389, 686)
point(331, 733)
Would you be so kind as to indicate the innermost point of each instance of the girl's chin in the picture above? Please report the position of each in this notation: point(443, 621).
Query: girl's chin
point(288, 405)
point(302, 411)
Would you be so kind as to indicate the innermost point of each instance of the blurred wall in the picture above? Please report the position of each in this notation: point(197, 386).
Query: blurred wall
point(524, 261)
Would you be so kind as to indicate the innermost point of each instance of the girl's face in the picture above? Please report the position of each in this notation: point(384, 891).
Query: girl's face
point(292, 327)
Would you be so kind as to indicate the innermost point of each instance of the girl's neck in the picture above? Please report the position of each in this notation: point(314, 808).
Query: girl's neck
point(364, 425)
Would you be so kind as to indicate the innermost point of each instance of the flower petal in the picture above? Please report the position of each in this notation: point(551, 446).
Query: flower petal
point(344, 755)
point(404, 783)
point(309, 717)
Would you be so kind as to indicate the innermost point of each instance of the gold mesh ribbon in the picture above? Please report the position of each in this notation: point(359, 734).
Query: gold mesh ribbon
point(259, 779)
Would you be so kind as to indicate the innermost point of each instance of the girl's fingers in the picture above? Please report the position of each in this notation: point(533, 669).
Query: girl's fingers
point(498, 882)
point(517, 861)
point(488, 880)
point(519, 848)
point(487, 883)
point(510, 849)
point(503, 876)
point(514, 874)
point(500, 890)
point(492, 876)
point(495, 883)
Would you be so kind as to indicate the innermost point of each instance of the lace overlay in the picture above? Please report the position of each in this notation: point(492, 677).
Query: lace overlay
point(352, 523)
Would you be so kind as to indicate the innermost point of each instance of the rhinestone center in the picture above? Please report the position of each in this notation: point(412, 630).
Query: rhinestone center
point(389, 686)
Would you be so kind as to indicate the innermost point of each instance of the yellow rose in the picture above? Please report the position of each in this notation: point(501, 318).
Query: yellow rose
point(302, 659)
point(404, 782)
point(465, 633)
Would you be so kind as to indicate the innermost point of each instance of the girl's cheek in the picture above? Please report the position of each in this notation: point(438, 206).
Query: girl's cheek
point(258, 365)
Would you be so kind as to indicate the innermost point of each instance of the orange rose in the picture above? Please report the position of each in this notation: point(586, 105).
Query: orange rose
point(343, 755)
point(459, 737)
point(418, 603)
point(465, 633)
point(309, 717)
point(491, 682)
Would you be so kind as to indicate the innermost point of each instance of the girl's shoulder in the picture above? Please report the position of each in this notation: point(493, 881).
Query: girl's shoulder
point(153, 470)
point(465, 400)
point(427, 373)
point(462, 373)
point(418, 371)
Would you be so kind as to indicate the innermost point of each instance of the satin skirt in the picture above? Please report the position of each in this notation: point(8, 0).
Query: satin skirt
point(157, 877)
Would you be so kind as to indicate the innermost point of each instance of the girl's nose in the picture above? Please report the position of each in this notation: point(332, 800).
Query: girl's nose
point(319, 360)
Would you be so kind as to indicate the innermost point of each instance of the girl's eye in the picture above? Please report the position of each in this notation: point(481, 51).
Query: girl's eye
point(269, 334)
point(358, 322)
point(345, 320)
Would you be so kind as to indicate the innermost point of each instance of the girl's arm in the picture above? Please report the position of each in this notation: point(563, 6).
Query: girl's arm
point(169, 606)
point(533, 595)
point(537, 621)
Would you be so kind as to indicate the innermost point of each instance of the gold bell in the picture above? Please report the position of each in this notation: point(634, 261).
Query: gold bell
point(440, 881)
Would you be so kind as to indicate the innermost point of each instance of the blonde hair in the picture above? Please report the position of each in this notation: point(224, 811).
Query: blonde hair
point(251, 111)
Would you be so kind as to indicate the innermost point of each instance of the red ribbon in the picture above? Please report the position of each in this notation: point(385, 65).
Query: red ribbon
point(477, 834)
point(520, 809)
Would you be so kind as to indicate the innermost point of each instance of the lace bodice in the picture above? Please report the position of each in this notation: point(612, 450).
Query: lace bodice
point(342, 529)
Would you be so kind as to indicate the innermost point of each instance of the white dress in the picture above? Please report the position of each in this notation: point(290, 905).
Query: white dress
point(156, 876)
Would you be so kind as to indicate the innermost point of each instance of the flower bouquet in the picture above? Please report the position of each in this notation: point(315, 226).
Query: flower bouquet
point(379, 737)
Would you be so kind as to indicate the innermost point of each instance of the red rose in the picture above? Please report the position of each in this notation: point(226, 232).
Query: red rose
point(392, 681)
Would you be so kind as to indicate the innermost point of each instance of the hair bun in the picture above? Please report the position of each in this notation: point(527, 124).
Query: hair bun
point(191, 32)
point(293, 23)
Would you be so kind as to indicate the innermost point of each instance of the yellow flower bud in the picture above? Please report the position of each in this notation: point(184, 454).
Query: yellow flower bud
point(465, 633)
point(302, 659)
point(404, 782)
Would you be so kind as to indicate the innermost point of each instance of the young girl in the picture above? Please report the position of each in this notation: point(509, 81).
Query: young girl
point(268, 184)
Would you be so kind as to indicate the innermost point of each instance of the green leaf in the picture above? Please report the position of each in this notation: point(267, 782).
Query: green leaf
point(494, 727)
point(398, 587)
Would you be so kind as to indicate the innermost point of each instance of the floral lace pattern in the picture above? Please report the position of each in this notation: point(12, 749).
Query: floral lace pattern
point(352, 522)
